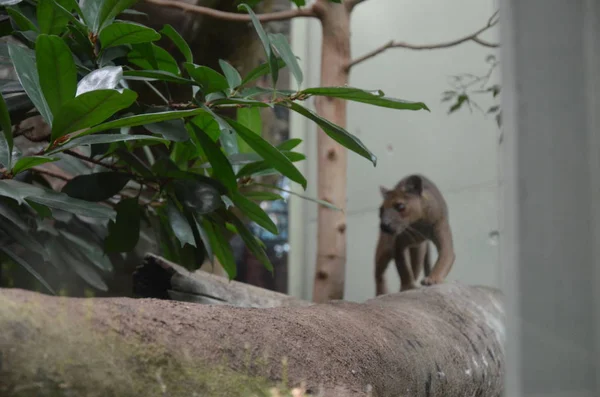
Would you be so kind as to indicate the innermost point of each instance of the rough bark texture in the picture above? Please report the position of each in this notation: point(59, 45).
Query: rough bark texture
point(159, 278)
point(445, 340)
point(331, 225)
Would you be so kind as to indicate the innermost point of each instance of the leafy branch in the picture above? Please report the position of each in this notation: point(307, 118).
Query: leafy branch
point(193, 166)
point(465, 86)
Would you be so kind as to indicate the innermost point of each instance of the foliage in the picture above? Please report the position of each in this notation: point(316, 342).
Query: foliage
point(176, 166)
point(465, 86)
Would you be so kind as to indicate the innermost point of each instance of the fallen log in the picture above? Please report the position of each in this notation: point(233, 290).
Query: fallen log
point(159, 278)
point(445, 340)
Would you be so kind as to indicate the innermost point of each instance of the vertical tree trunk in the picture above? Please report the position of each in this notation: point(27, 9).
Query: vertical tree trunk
point(331, 225)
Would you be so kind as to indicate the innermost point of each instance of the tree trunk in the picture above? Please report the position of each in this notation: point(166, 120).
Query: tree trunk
point(441, 341)
point(332, 157)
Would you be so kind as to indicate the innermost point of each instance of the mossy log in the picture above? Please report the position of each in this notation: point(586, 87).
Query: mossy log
point(445, 340)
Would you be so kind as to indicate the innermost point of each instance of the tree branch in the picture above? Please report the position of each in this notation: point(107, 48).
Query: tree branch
point(91, 160)
point(235, 17)
point(485, 43)
point(398, 44)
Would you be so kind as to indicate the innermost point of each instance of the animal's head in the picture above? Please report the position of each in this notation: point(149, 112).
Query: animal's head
point(402, 205)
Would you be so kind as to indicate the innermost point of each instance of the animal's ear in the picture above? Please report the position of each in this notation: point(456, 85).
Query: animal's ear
point(384, 191)
point(414, 184)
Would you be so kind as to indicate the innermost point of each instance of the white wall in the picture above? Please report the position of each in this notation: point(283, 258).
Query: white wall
point(458, 152)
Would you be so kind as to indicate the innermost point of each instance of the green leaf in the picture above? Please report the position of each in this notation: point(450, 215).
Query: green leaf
point(254, 212)
point(26, 240)
point(269, 153)
point(99, 186)
point(153, 58)
point(321, 202)
point(100, 139)
point(222, 169)
point(228, 136)
point(251, 242)
point(204, 238)
point(6, 139)
point(282, 46)
point(249, 118)
point(257, 168)
point(262, 196)
point(120, 33)
point(17, 190)
point(289, 144)
point(78, 262)
point(358, 95)
point(335, 132)
point(24, 62)
point(100, 13)
point(124, 234)
point(173, 130)
point(90, 11)
point(262, 70)
point(153, 75)
point(12, 215)
point(111, 9)
point(231, 74)
point(72, 205)
point(89, 109)
point(23, 263)
point(21, 20)
point(220, 245)
point(52, 17)
point(105, 78)
point(20, 191)
point(85, 244)
point(299, 3)
point(56, 70)
point(200, 196)
point(134, 162)
point(272, 59)
point(25, 163)
point(179, 42)
point(180, 225)
point(210, 80)
point(42, 210)
point(142, 119)
point(183, 152)
point(208, 124)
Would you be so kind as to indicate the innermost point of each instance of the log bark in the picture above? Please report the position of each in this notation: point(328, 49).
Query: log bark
point(445, 340)
point(332, 157)
point(159, 278)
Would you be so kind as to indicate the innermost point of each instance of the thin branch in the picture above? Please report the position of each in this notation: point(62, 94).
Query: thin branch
point(491, 21)
point(485, 43)
point(91, 160)
point(398, 44)
point(235, 17)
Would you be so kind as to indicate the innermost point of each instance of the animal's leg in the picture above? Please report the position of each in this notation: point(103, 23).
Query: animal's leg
point(383, 256)
point(402, 259)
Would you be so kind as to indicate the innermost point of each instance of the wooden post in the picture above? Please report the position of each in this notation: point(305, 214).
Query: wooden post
point(332, 157)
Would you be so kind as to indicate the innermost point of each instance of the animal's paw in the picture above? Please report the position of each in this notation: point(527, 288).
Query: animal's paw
point(407, 287)
point(432, 280)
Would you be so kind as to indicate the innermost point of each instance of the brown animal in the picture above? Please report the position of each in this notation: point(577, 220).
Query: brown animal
point(413, 213)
